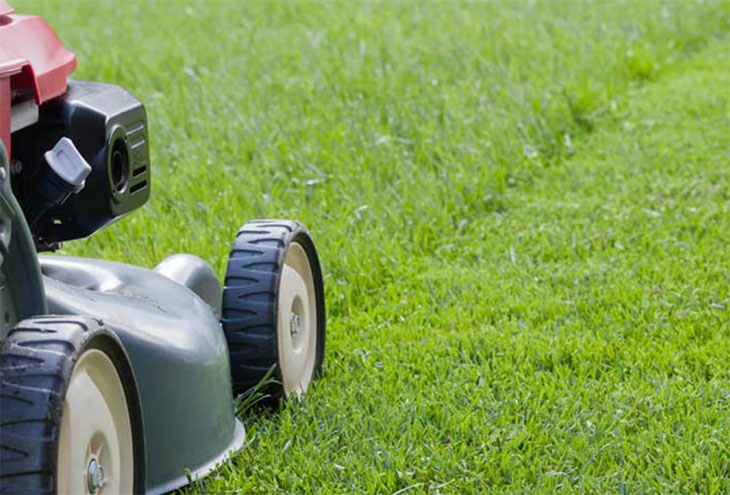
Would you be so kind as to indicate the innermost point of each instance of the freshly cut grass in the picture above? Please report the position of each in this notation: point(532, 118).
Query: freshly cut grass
point(523, 211)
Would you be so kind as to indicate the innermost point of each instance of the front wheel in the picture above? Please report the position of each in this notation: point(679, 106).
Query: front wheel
point(273, 307)
point(70, 418)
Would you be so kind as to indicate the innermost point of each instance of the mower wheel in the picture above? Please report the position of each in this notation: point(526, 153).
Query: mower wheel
point(273, 308)
point(70, 418)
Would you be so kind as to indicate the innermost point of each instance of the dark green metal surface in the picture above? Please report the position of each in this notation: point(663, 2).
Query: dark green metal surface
point(21, 287)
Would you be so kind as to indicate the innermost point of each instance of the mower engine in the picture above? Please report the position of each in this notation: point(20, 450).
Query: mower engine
point(108, 128)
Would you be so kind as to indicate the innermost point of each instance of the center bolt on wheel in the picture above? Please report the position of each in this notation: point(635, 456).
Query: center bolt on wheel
point(94, 476)
point(294, 325)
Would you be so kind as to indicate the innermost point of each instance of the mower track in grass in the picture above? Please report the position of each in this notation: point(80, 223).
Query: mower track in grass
point(575, 342)
point(523, 214)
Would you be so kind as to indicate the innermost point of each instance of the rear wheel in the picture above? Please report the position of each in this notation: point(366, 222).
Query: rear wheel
point(70, 420)
point(273, 307)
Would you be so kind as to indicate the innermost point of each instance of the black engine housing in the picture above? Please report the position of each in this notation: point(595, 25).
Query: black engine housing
point(109, 128)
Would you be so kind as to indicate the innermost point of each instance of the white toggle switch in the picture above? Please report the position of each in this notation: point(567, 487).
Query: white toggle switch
point(68, 163)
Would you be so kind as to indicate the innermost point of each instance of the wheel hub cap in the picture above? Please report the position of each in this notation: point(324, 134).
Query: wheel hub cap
point(297, 321)
point(95, 451)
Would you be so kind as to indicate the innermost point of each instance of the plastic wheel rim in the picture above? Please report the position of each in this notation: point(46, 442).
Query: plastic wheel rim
point(95, 454)
point(297, 322)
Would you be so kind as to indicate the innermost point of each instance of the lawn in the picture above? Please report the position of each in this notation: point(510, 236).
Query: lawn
point(523, 212)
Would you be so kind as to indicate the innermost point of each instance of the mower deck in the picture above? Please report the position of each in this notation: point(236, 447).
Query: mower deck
point(177, 351)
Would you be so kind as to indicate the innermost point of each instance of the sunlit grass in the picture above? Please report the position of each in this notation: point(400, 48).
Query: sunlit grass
point(523, 211)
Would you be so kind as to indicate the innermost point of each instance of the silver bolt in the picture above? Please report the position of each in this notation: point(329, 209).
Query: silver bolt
point(294, 325)
point(95, 476)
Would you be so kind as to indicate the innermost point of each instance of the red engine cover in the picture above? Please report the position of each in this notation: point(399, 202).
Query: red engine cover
point(31, 57)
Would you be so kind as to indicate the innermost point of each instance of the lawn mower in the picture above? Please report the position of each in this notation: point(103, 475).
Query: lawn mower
point(116, 379)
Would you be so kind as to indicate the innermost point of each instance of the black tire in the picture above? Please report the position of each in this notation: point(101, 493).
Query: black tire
point(36, 363)
point(250, 302)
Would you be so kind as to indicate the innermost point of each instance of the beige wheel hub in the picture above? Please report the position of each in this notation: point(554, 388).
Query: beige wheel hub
point(95, 454)
point(297, 321)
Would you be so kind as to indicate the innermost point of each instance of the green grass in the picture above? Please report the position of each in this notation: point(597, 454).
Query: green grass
point(523, 211)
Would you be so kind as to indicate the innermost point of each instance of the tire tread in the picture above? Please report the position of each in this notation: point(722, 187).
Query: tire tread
point(31, 401)
point(249, 299)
